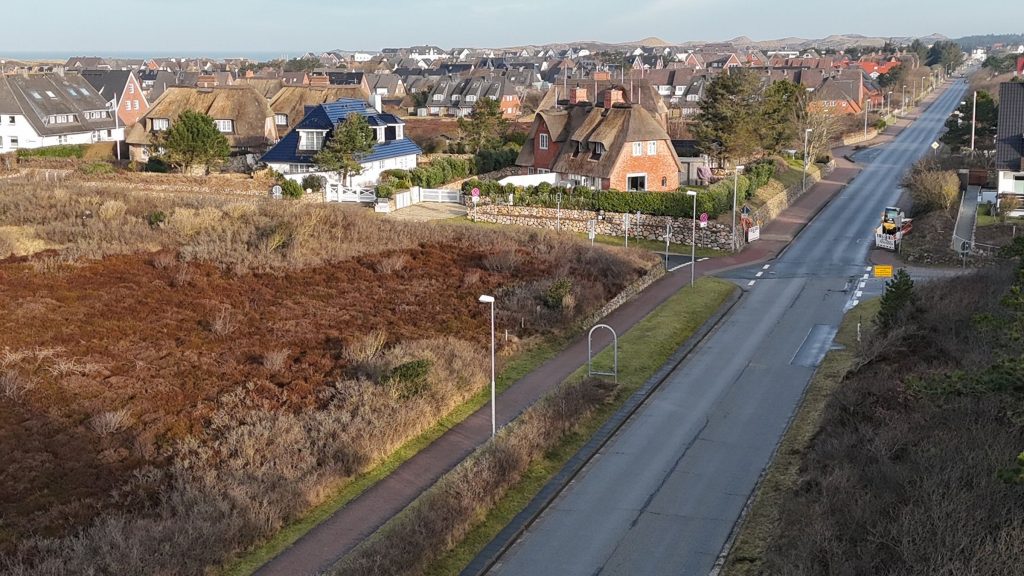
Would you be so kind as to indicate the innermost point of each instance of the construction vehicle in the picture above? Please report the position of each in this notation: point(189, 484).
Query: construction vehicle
point(893, 228)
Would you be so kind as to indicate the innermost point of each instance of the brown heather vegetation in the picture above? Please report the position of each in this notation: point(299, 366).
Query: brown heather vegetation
point(181, 375)
point(906, 475)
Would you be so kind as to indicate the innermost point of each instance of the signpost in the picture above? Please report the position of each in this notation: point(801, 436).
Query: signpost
point(668, 235)
point(625, 226)
point(276, 192)
point(476, 195)
point(965, 251)
point(883, 271)
point(592, 230)
point(753, 233)
point(558, 213)
point(703, 219)
point(935, 147)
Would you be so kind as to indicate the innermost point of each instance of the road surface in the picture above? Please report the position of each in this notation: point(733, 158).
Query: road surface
point(663, 496)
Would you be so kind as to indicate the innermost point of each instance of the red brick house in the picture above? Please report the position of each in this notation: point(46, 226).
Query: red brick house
point(610, 145)
point(123, 89)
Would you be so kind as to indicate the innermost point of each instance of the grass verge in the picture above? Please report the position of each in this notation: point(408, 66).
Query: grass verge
point(517, 367)
point(656, 245)
point(761, 522)
point(647, 346)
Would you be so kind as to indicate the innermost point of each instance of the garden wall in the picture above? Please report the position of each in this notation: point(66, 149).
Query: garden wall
point(715, 236)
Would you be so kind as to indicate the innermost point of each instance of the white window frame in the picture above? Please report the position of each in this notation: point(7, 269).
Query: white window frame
point(11, 120)
point(544, 142)
point(471, 98)
point(652, 148)
point(280, 119)
point(636, 175)
point(311, 140)
point(638, 148)
point(225, 126)
point(14, 142)
point(161, 124)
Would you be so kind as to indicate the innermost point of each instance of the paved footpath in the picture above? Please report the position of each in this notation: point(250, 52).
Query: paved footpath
point(346, 528)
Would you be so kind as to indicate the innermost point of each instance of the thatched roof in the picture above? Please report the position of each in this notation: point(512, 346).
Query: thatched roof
point(250, 112)
point(268, 87)
point(292, 100)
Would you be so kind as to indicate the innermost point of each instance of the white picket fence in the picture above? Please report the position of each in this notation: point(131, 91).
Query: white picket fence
point(342, 194)
point(415, 195)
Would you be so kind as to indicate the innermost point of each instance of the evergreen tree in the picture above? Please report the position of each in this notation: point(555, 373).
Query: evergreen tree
point(346, 145)
point(193, 143)
point(897, 301)
point(728, 122)
point(485, 126)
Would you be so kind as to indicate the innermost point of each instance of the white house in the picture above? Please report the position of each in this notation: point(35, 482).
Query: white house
point(51, 110)
point(293, 155)
point(1010, 143)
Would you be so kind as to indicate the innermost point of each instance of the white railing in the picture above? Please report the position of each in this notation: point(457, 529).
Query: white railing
point(438, 195)
point(335, 194)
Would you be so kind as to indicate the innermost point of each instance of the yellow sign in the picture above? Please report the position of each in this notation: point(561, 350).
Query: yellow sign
point(883, 271)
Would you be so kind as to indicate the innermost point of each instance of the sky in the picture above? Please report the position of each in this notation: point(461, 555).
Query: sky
point(155, 27)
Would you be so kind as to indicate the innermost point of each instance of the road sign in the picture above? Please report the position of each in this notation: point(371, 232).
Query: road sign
point(625, 221)
point(883, 271)
point(475, 192)
point(276, 192)
point(745, 210)
point(476, 199)
point(965, 248)
point(935, 145)
point(753, 233)
point(703, 219)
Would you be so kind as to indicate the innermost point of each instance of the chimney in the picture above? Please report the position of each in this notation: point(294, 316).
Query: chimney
point(250, 74)
point(1020, 66)
point(577, 95)
point(375, 102)
point(612, 97)
point(319, 81)
point(602, 75)
point(206, 81)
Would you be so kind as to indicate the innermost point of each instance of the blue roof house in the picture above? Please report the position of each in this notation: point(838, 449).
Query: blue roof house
point(293, 155)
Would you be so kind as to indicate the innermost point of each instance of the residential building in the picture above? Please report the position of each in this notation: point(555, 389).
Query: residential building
point(241, 113)
point(123, 90)
point(1010, 144)
point(291, 102)
point(294, 155)
point(609, 145)
point(51, 110)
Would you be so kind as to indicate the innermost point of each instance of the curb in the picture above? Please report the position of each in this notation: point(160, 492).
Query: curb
point(496, 548)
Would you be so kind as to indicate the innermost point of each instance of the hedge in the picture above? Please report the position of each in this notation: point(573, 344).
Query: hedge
point(714, 200)
point(440, 172)
point(63, 151)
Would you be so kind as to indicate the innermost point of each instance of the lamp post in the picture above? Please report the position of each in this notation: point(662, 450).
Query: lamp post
point(735, 191)
point(485, 299)
point(888, 103)
point(867, 104)
point(903, 101)
point(693, 238)
point(807, 133)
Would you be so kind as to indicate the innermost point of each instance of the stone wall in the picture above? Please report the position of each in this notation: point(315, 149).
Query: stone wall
point(859, 136)
point(715, 236)
point(652, 275)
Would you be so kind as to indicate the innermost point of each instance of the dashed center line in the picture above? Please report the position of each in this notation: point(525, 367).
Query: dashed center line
point(766, 266)
point(752, 282)
point(862, 285)
point(759, 274)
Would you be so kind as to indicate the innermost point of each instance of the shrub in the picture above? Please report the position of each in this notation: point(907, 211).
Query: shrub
point(313, 182)
point(107, 423)
point(556, 294)
point(157, 218)
point(274, 360)
point(896, 302)
point(398, 178)
point(932, 189)
point(440, 172)
point(409, 379)
point(385, 190)
point(112, 210)
point(292, 189)
point(63, 151)
point(96, 168)
point(759, 174)
point(489, 160)
point(157, 165)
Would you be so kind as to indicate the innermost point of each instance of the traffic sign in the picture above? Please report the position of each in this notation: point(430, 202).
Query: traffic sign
point(935, 145)
point(883, 271)
point(276, 192)
point(704, 220)
point(745, 210)
point(475, 192)
point(965, 248)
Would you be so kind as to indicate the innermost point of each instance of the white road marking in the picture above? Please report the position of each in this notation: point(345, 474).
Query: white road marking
point(752, 282)
point(859, 294)
point(855, 302)
point(759, 274)
point(862, 285)
point(868, 268)
point(701, 259)
point(678, 267)
point(866, 276)
point(766, 266)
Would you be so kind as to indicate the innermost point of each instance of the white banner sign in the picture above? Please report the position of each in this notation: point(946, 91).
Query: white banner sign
point(753, 233)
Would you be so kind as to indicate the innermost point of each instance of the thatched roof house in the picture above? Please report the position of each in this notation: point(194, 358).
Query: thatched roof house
point(241, 113)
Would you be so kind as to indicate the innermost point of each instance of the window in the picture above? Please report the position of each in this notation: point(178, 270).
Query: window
point(635, 182)
point(161, 124)
point(638, 148)
point(83, 91)
point(311, 140)
point(225, 126)
point(62, 139)
point(36, 95)
point(281, 119)
point(598, 151)
point(51, 94)
point(664, 181)
point(128, 105)
point(14, 141)
point(543, 171)
point(544, 141)
point(438, 97)
point(652, 148)
point(456, 97)
point(72, 92)
point(135, 104)
point(471, 98)
point(10, 120)
point(131, 88)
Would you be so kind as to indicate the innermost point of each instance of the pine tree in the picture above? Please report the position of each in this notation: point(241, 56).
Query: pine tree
point(897, 301)
point(347, 144)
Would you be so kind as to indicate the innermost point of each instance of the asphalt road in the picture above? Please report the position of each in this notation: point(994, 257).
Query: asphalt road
point(664, 494)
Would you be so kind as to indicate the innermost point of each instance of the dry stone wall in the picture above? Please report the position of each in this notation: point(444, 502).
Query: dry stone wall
point(715, 236)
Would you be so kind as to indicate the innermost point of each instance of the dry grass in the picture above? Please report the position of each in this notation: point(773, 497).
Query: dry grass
point(392, 264)
point(13, 385)
point(275, 360)
point(107, 423)
point(443, 515)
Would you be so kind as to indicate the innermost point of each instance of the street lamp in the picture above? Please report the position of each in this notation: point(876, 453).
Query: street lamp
point(903, 101)
point(867, 104)
point(888, 103)
point(693, 238)
point(485, 299)
point(807, 133)
point(735, 191)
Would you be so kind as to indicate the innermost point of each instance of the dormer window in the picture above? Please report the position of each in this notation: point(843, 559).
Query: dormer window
point(456, 97)
point(438, 97)
point(161, 124)
point(544, 141)
point(471, 98)
point(311, 140)
point(598, 151)
point(281, 119)
point(225, 126)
